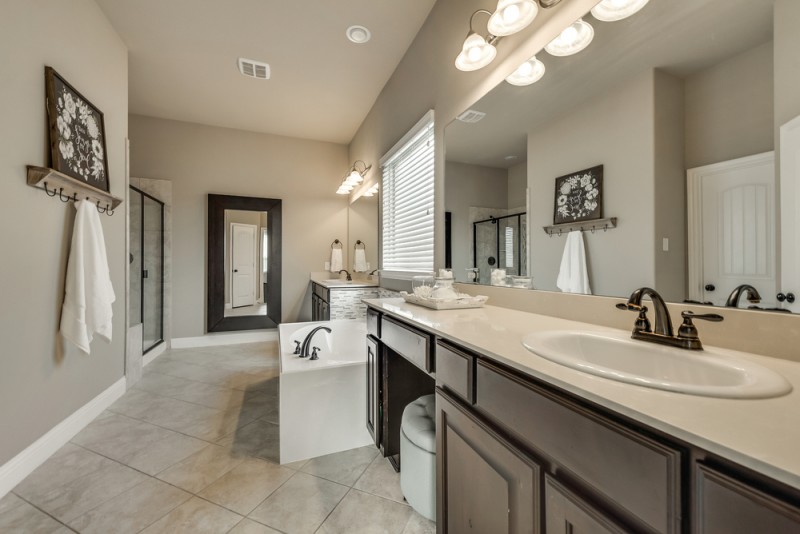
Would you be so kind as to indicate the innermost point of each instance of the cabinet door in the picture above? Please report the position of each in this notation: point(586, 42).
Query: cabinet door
point(325, 315)
point(728, 506)
point(566, 513)
point(484, 485)
point(374, 399)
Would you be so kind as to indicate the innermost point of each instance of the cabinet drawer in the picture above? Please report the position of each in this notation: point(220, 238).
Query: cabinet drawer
point(321, 292)
point(373, 323)
point(726, 505)
point(412, 344)
point(567, 513)
point(455, 370)
point(636, 475)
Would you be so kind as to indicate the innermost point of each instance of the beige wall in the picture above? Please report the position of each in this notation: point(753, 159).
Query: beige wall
point(615, 130)
point(729, 108)
point(786, 62)
point(42, 381)
point(362, 222)
point(518, 186)
point(202, 159)
point(470, 186)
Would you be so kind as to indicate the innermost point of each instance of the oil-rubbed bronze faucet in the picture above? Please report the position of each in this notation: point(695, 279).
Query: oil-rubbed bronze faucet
point(349, 276)
point(750, 291)
point(663, 333)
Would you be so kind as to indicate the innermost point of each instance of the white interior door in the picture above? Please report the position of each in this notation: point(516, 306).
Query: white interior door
point(735, 212)
point(243, 264)
point(790, 204)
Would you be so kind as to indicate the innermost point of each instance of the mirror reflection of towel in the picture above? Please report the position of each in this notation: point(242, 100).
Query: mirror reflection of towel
point(573, 276)
point(336, 260)
point(360, 261)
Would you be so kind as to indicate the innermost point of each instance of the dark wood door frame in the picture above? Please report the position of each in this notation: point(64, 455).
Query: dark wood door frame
point(215, 287)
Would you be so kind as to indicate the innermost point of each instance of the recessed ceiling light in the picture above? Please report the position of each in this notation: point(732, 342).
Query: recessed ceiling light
point(358, 34)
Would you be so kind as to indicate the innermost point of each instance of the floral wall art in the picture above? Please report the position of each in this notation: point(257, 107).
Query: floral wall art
point(579, 196)
point(77, 133)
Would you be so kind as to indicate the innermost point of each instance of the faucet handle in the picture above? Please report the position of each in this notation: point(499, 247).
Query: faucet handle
point(314, 355)
point(642, 322)
point(688, 331)
point(297, 345)
point(689, 315)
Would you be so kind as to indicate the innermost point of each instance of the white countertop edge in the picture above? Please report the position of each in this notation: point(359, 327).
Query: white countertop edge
point(585, 386)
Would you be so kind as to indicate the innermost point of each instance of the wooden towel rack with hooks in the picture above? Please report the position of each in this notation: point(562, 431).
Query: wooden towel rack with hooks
point(583, 226)
point(69, 189)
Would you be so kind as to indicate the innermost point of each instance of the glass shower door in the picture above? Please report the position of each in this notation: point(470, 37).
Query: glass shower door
point(147, 267)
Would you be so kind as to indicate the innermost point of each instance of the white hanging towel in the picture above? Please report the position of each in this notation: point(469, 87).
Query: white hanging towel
point(89, 293)
point(360, 261)
point(336, 260)
point(573, 276)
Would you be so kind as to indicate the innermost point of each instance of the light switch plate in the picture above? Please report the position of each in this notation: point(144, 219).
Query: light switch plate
point(327, 266)
point(665, 244)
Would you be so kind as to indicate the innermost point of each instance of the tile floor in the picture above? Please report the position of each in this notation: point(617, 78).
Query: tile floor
point(194, 448)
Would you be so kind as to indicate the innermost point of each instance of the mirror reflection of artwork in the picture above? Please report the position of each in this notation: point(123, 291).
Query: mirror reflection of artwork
point(579, 196)
point(77, 133)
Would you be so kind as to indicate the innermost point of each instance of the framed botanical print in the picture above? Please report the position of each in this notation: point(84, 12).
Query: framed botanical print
point(579, 196)
point(77, 133)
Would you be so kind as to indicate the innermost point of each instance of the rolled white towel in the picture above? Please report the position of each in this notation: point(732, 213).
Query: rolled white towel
point(336, 260)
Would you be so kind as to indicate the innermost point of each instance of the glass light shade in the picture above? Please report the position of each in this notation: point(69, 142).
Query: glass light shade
point(343, 191)
point(512, 16)
point(572, 40)
point(613, 10)
point(475, 54)
point(354, 178)
point(529, 72)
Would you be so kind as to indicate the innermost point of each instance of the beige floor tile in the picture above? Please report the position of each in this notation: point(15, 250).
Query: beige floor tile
point(244, 487)
point(297, 466)
point(138, 444)
point(246, 526)
point(68, 501)
point(195, 516)
point(300, 505)
point(25, 519)
point(265, 380)
point(381, 479)
point(362, 513)
point(167, 385)
point(69, 463)
point(259, 439)
point(200, 469)
point(211, 396)
point(198, 373)
point(132, 510)
point(419, 525)
point(9, 502)
point(342, 467)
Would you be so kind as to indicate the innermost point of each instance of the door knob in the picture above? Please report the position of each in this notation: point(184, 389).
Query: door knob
point(710, 287)
point(236, 270)
point(788, 297)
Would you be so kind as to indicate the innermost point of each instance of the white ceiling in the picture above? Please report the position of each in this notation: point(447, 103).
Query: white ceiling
point(183, 60)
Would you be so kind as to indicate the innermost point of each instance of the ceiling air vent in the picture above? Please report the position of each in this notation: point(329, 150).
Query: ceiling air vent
point(471, 116)
point(254, 69)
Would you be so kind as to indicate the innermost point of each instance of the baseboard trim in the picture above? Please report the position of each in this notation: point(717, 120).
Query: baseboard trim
point(213, 340)
point(24, 463)
point(154, 353)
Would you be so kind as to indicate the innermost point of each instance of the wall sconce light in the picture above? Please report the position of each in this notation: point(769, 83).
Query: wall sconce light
point(613, 10)
point(372, 190)
point(529, 72)
point(572, 39)
point(353, 177)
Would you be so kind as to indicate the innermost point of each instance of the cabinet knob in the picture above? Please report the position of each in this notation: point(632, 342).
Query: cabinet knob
point(788, 297)
point(710, 287)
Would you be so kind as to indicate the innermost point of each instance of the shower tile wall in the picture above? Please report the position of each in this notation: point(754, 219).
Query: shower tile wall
point(135, 241)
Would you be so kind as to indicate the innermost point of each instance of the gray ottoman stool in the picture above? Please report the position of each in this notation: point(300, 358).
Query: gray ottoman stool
point(418, 455)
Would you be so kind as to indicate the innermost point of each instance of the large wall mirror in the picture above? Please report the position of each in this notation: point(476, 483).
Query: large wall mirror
point(683, 105)
point(244, 263)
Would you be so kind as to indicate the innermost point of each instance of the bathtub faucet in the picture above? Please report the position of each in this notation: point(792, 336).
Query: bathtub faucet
point(307, 340)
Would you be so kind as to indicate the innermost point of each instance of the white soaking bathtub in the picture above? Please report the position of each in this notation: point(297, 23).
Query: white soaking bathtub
point(323, 402)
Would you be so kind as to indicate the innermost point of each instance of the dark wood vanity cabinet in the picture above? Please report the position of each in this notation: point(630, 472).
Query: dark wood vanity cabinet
point(320, 297)
point(516, 455)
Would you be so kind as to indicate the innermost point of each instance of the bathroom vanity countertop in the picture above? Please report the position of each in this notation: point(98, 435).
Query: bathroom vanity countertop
point(762, 434)
point(340, 283)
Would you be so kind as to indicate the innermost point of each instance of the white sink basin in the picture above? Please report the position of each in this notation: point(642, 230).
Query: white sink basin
point(710, 373)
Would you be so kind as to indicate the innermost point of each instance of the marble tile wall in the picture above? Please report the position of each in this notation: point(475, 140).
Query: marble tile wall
point(346, 303)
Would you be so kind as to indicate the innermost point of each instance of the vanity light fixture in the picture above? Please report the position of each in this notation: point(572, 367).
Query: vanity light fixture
point(372, 190)
point(353, 177)
point(613, 10)
point(529, 72)
point(512, 16)
point(572, 39)
point(477, 52)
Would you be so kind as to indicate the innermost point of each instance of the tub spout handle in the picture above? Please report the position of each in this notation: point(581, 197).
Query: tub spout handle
point(297, 345)
point(314, 355)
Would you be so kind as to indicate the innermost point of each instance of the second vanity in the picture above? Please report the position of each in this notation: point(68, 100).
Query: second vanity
point(527, 445)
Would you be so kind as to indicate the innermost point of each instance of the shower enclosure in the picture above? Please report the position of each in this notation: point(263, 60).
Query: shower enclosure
point(147, 267)
point(500, 243)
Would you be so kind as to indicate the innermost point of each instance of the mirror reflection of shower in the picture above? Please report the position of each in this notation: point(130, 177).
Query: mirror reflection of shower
point(499, 242)
point(246, 263)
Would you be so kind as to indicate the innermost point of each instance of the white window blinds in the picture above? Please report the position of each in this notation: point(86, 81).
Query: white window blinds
point(407, 183)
